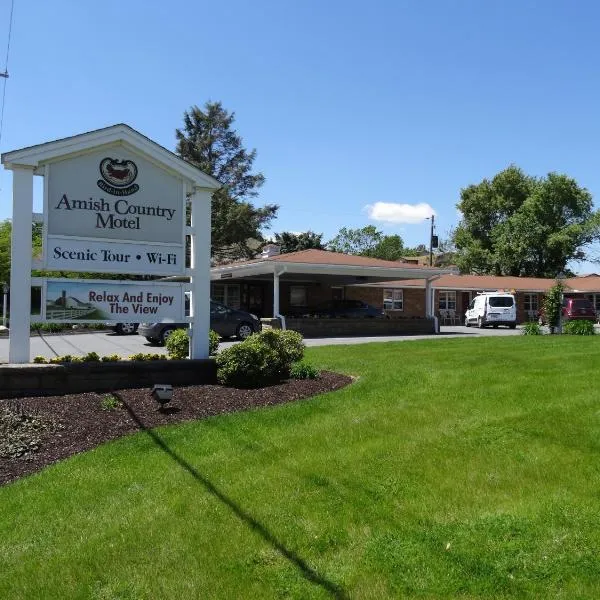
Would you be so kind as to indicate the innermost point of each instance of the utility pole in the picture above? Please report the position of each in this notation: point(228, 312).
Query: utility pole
point(431, 242)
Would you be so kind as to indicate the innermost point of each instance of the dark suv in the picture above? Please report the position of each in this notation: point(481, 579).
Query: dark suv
point(226, 321)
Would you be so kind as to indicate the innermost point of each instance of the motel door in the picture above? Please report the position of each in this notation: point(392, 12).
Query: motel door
point(255, 299)
point(464, 303)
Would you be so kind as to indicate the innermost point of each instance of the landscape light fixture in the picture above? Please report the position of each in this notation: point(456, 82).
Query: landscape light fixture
point(162, 393)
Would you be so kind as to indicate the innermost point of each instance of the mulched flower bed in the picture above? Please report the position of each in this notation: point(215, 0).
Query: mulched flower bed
point(78, 422)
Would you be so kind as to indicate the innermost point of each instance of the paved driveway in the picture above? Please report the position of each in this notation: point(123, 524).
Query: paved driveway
point(105, 343)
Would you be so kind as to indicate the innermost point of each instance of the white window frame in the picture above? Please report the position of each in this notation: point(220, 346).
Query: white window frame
point(531, 302)
point(447, 300)
point(393, 299)
point(231, 294)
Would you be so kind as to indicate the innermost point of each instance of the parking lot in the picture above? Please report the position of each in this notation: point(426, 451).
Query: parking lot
point(107, 342)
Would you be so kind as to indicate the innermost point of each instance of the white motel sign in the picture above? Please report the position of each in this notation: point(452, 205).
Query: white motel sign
point(114, 202)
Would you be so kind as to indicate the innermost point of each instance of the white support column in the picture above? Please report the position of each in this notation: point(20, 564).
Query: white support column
point(20, 273)
point(200, 280)
point(428, 302)
point(275, 293)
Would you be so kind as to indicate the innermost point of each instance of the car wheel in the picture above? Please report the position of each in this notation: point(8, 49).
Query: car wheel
point(165, 334)
point(495, 326)
point(480, 322)
point(244, 331)
point(513, 326)
point(126, 328)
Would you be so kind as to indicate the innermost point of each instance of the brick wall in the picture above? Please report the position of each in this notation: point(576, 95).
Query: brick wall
point(414, 299)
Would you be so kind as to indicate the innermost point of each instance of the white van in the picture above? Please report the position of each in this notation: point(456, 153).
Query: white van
point(492, 308)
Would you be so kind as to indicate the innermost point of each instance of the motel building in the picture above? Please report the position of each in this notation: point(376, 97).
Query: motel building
point(278, 285)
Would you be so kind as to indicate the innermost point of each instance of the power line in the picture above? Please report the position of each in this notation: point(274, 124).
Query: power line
point(5, 74)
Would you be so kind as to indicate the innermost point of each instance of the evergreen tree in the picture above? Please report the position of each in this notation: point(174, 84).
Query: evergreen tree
point(208, 141)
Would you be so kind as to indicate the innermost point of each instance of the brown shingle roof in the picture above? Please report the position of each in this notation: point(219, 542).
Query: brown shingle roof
point(325, 257)
point(478, 283)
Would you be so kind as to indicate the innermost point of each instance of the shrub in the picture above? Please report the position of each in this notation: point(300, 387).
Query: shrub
point(91, 357)
point(111, 358)
point(578, 328)
point(110, 402)
point(262, 358)
point(41, 360)
point(48, 327)
point(178, 344)
point(532, 328)
point(552, 305)
point(303, 370)
point(213, 342)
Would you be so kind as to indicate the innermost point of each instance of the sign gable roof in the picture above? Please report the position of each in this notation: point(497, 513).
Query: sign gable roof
point(36, 156)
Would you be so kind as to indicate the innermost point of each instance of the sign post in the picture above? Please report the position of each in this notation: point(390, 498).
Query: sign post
point(114, 202)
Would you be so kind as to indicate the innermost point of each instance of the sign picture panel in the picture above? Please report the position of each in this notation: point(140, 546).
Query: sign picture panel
point(84, 301)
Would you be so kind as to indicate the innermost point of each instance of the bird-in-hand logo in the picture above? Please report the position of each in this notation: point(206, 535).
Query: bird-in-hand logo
point(118, 177)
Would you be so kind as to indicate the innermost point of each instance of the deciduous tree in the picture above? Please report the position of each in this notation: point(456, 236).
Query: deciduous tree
point(520, 225)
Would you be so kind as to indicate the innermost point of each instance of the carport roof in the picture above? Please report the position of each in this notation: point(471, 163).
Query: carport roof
point(323, 262)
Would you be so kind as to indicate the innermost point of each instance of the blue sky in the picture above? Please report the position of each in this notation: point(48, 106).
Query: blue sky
point(348, 104)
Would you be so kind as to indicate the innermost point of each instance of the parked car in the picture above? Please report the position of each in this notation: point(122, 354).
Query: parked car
point(333, 309)
point(124, 328)
point(492, 308)
point(574, 309)
point(227, 322)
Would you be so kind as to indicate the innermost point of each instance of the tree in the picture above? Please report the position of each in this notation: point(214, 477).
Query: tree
point(294, 242)
point(368, 241)
point(521, 225)
point(209, 142)
point(5, 235)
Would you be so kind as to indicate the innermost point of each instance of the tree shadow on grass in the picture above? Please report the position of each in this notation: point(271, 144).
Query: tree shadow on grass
point(334, 590)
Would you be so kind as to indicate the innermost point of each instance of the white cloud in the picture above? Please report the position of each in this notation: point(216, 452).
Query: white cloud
point(390, 212)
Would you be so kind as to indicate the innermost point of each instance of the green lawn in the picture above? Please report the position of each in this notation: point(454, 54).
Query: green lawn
point(458, 468)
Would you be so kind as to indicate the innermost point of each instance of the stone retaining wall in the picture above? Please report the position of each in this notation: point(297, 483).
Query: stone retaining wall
point(360, 327)
point(49, 380)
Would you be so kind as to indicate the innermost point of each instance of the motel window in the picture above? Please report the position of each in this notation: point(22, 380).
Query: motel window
point(447, 301)
point(229, 295)
point(393, 299)
point(297, 295)
point(531, 302)
point(595, 300)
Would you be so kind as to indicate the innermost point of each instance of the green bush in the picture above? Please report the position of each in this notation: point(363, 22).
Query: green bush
point(110, 402)
point(532, 328)
point(41, 360)
point(213, 342)
point(48, 327)
point(178, 344)
point(91, 357)
point(111, 358)
point(261, 359)
point(578, 328)
point(303, 370)
point(552, 305)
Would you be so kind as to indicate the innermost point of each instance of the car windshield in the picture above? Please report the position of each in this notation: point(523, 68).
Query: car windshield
point(500, 301)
